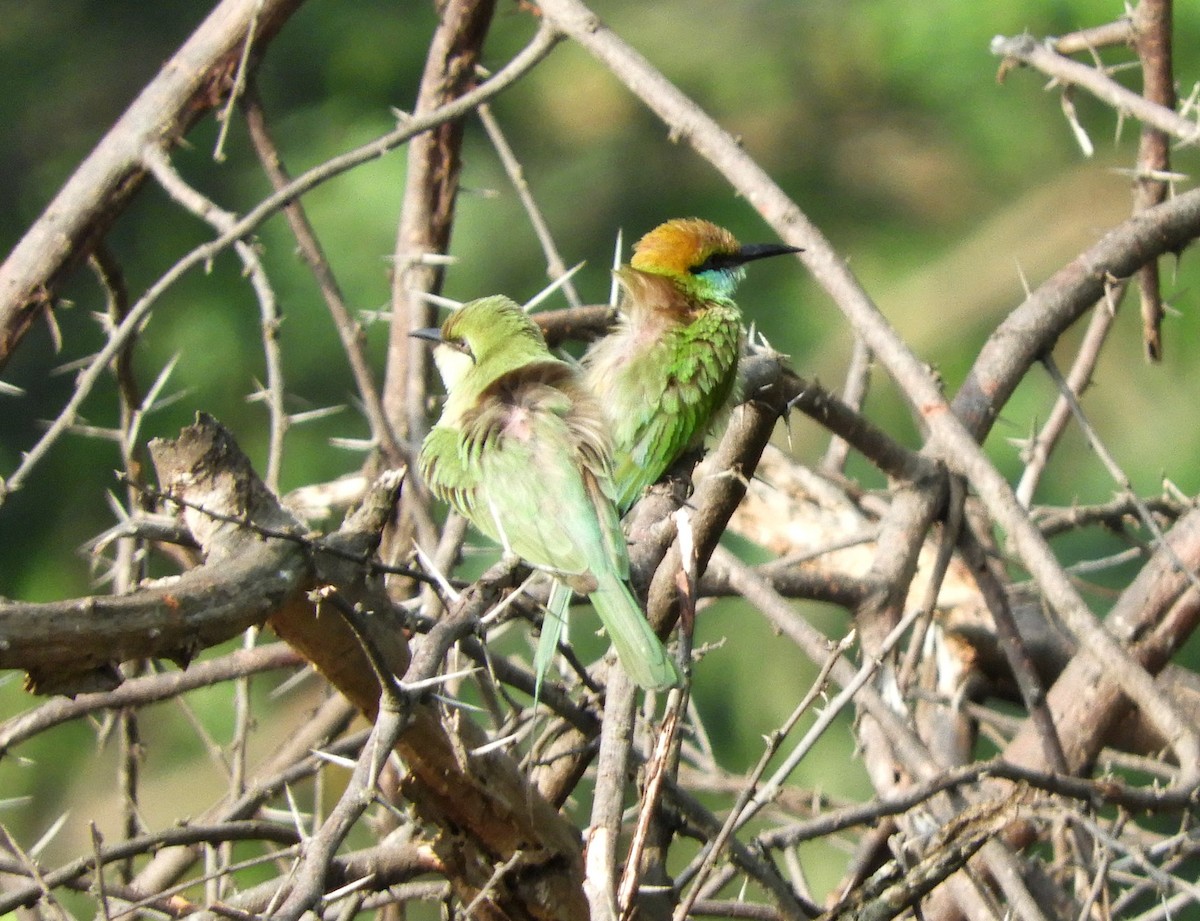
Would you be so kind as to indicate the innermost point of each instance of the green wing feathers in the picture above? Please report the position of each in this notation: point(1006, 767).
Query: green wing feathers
point(527, 461)
point(664, 401)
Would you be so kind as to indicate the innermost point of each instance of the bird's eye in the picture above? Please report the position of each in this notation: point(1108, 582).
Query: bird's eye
point(460, 345)
point(716, 262)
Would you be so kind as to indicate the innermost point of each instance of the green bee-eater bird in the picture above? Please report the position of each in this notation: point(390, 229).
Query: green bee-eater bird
point(670, 366)
point(523, 451)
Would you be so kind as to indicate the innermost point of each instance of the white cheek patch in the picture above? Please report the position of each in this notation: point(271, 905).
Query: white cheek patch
point(452, 364)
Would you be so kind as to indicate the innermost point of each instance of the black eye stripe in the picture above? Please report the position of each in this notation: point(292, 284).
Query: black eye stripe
point(718, 261)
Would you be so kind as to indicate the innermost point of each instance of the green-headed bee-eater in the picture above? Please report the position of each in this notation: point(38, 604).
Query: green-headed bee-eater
point(523, 451)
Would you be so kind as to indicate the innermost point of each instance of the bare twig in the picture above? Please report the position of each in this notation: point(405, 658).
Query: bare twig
point(538, 48)
point(160, 167)
point(1025, 49)
point(171, 837)
point(749, 800)
point(348, 328)
point(1152, 40)
point(555, 267)
point(854, 393)
point(1114, 469)
point(1037, 453)
point(190, 84)
point(616, 737)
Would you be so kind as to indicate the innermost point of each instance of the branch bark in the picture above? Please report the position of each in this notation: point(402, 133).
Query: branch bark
point(427, 213)
point(245, 578)
point(191, 84)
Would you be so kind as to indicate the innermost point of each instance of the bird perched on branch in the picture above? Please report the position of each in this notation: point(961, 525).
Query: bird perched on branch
point(670, 366)
point(523, 451)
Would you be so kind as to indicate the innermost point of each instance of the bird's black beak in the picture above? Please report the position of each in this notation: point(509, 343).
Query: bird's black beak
point(752, 251)
point(724, 262)
point(430, 333)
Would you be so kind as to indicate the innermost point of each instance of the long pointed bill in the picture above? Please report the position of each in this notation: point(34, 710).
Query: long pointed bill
point(430, 333)
point(752, 251)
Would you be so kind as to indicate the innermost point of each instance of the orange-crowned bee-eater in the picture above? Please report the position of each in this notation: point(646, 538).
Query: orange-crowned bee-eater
point(670, 366)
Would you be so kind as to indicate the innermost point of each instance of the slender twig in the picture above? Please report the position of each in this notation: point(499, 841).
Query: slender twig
point(159, 165)
point(529, 57)
point(349, 329)
point(239, 82)
point(1019, 662)
point(651, 834)
point(238, 753)
point(741, 857)
point(130, 565)
point(1025, 49)
point(1118, 33)
point(828, 714)
point(320, 849)
point(1100, 875)
point(555, 267)
point(1152, 41)
point(748, 801)
point(1037, 453)
point(1033, 694)
point(616, 736)
point(662, 763)
point(951, 528)
point(815, 646)
point(1090, 793)
point(498, 874)
point(1113, 515)
point(1114, 470)
point(143, 690)
point(144, 844)
point(854, 393)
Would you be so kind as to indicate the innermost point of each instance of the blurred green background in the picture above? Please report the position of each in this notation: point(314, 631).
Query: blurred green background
point(884, 120)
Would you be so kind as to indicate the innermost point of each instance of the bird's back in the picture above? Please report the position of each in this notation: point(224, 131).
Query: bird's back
point(528, 465)
point(662, 378)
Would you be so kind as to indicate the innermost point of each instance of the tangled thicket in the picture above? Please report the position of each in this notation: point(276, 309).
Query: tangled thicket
point(1028, 759)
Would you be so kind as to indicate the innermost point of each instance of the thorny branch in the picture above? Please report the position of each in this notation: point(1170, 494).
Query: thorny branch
point(190, 85)
point(140, 310)
point(436, 781)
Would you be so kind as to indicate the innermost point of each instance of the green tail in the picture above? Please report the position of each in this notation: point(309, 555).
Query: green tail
point(557, 610)
point(639, 649)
